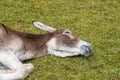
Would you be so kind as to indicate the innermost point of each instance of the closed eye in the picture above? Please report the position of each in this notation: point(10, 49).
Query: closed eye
point(66, 32)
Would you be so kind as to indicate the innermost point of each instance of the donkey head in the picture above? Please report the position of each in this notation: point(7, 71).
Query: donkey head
point(63, 43)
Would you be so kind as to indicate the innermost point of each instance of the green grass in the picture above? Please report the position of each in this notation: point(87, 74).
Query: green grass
point(96, 21)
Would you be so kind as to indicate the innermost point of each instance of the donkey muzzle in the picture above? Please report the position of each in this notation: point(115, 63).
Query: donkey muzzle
point(86, 49)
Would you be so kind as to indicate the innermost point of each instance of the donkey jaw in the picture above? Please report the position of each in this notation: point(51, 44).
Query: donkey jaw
point(62, 53)
point(84, 50)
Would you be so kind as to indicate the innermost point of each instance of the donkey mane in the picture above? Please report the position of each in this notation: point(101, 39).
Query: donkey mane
point(28, 36)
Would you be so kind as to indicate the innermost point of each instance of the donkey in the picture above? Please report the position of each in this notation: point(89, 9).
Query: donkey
point(16, 46)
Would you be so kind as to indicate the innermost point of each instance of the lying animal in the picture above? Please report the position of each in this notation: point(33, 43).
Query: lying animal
point(16, 47)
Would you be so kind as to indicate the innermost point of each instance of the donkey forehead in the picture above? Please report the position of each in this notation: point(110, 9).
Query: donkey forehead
point(64, 33)
point(60, 31)
point(64, 36)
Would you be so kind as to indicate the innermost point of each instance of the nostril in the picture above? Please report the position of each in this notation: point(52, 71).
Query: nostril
point(86, 50)
point(89, 48)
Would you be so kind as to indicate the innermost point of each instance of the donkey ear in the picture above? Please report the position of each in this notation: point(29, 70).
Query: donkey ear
point(43, 26)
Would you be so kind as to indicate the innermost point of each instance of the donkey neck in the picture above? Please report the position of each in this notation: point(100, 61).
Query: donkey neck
point(35, 44)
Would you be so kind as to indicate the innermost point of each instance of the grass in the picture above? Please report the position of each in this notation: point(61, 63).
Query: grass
point(96, 21)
